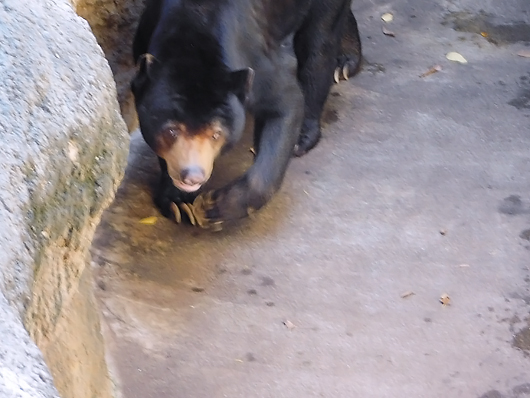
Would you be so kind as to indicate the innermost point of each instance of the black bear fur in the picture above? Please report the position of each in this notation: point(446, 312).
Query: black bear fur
point(203, 63)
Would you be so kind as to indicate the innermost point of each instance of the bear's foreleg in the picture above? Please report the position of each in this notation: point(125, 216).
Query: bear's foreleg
point(278, 132)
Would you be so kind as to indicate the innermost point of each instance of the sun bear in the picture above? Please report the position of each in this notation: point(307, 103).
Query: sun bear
point(204, 64)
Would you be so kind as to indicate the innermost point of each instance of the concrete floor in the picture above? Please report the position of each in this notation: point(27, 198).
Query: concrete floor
point(420, 185)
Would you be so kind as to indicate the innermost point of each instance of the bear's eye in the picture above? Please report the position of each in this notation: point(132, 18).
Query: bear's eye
point(216, 135)
point(168, 136)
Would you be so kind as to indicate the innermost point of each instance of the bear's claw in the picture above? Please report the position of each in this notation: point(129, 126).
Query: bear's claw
point(203, 205)
point(176, 212)
point(187, 208)
point(197, 212)
point(341, 73)
point(345, 72)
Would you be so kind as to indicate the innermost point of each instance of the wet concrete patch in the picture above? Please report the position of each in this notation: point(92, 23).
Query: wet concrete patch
point(518, 296)
point(521, 340)
point(525, 234)
point(250, 357)
point(512, 205)
point(521, 389)
point(267, 281)
point(522, 100)
point(329, 116)
point(483, 24)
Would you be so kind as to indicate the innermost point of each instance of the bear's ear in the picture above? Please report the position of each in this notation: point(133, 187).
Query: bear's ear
point(144, 63)
point(241, 83)
point(144, 67)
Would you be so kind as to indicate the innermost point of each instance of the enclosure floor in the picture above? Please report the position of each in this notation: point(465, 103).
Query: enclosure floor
point(419, 188)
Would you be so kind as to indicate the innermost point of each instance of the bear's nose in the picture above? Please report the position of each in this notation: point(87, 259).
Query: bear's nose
point(192, 176)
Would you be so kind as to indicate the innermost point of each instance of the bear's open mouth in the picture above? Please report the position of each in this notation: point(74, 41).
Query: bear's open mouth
point(185, 187)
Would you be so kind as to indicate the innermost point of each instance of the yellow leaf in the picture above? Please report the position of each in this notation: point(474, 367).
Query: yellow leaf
point(387, 17)
point(149, 220)
point(289, 325)
point(434, 69)
point(445, 299)
point(456, 57)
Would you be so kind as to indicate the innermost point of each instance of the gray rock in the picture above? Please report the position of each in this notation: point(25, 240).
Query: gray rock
point(64, 148)
point(23, 373)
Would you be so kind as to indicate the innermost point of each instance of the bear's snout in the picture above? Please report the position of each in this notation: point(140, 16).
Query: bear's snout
point(193, 175)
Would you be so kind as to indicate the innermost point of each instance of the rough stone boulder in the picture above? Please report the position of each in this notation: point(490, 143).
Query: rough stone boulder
point(114, 23)
point(64, 149)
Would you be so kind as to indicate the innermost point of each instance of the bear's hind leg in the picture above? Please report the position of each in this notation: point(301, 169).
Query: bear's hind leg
point(350, 56)
point(278, 127)
point(317, 46)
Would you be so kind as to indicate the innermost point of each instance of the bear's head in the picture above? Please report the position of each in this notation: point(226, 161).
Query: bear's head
point(189, 113)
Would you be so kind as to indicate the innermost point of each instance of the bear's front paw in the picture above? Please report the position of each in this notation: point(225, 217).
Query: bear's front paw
point(180, 208)
point(173, 203)
point(204, 212)
point(217, 209)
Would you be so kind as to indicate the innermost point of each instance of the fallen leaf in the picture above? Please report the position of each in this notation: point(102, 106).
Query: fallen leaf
point(289, 325)
point(456, 57)
point(445, 299)
point(407, 294)
point(484, 34)
point(524, 53)
point(434, 69)
point(149, 220)
point(388, 32)
point(387, 17)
